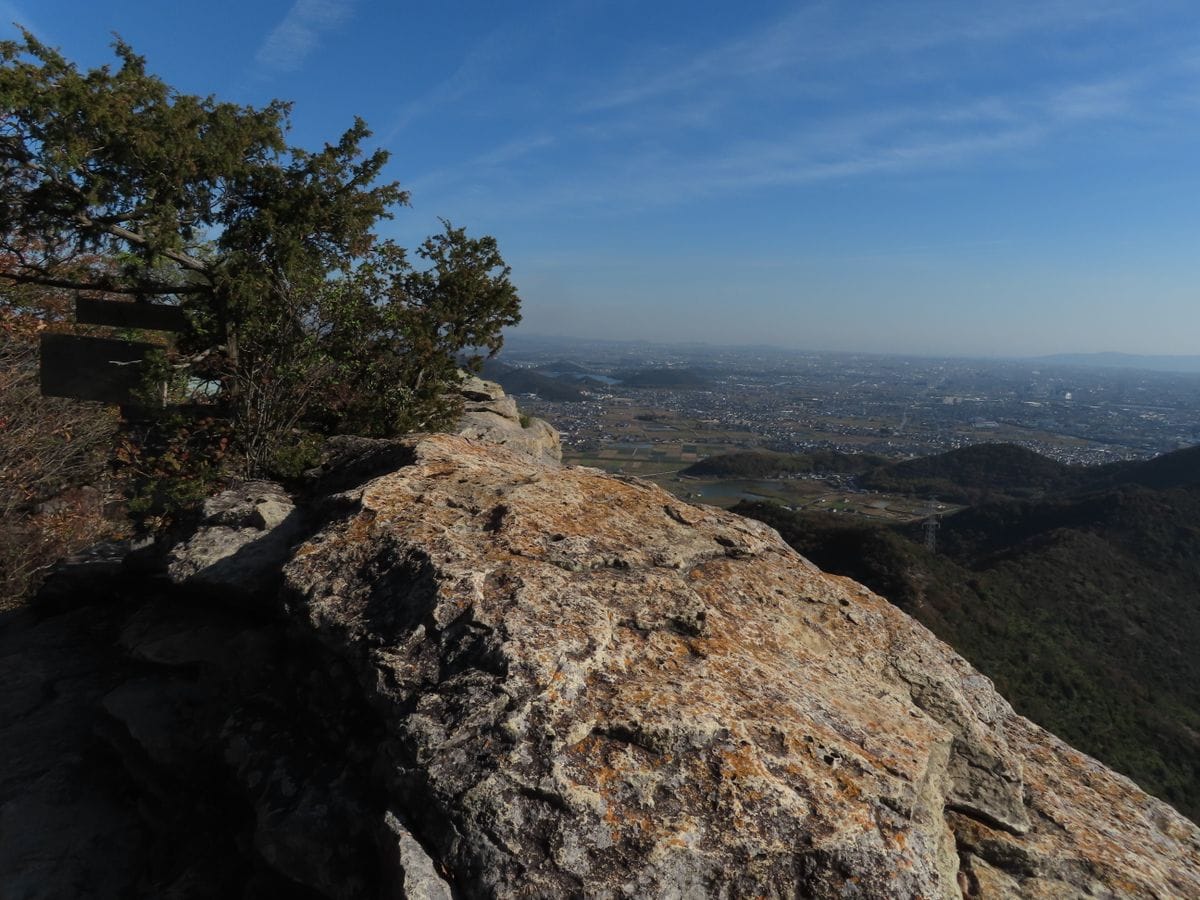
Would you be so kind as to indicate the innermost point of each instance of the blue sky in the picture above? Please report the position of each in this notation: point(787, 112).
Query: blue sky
point(920, 177)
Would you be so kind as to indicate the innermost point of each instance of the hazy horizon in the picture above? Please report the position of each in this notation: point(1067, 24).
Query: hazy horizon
point(519, 334)
point(923, 178)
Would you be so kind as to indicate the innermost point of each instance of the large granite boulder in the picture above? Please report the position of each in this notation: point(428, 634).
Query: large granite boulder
point(592, 688)
point(467, 673)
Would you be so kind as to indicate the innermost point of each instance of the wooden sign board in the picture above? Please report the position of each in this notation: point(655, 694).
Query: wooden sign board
point(88, 368)
point(151, 316)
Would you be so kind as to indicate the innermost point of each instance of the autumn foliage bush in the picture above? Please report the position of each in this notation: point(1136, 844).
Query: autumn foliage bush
point(55, 482)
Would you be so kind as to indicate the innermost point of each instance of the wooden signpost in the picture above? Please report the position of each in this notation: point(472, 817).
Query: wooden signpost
point(104, 369)
point(151, 316)
point(90, 368)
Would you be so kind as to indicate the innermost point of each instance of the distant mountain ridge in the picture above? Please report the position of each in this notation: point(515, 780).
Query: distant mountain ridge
point(965, 475)
point(528, 381)
point(1112, 360)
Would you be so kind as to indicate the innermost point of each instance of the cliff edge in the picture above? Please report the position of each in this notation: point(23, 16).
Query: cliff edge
point(461, 670)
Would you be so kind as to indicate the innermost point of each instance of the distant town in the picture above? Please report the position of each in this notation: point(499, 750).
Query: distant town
point(652, 410)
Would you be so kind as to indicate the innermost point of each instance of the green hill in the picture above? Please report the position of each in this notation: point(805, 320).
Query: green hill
point(1178, 469)
point(527, 381)
point(764, 464)
point(966, 475)
point(970, 473)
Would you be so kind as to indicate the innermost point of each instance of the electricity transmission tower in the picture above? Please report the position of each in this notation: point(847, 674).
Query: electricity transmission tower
point(931, 525)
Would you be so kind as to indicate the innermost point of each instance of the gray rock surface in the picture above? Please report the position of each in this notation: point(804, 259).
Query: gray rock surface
point(594, 689)
point(162, 746)
point(66, 826)
point(415, 872)
point(243, 538)
point(489, 415)
point(479, 675)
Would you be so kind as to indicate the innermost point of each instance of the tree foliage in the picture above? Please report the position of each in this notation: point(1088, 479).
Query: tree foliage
point(302, 319)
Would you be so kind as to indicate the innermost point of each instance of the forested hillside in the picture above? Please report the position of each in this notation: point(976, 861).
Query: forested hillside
point(1083, 605)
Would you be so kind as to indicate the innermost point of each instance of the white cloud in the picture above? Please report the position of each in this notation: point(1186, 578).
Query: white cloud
point(298, 34)
point(1100, 100)
point(816, 36)
point(801, 101)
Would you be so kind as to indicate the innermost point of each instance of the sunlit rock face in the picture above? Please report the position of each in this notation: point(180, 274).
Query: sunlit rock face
point(492, 416)
point(589, 687)
point(452, 667)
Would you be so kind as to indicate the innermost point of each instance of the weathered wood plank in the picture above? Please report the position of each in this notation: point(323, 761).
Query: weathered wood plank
point(89, 368)
point(152, 316)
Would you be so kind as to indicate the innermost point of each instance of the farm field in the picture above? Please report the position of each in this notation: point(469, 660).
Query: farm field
point(661, 463)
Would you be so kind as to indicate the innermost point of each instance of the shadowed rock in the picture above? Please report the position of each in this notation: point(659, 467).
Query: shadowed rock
point(242, 540)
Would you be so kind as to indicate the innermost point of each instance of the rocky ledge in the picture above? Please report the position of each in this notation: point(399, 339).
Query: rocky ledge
point(490, 415)
point(457, 670)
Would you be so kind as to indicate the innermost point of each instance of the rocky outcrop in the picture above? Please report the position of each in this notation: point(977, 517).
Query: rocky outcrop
point(601, 689)
point(490, 415)
point(240, 542)
point(477, 675)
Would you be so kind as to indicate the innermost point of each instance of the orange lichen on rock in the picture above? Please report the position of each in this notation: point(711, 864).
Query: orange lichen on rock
point(604, 690)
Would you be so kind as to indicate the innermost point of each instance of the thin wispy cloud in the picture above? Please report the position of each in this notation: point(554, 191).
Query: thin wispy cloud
point(893, 140)
point(486, 164)
point(12, 17)
point(764, 50)
point(813, 37)
point(514, 150)
point(488, 58)
point(774, 167)
point(299, 33)
point(471, 71)
point(819, 95)
point(1099, 100)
